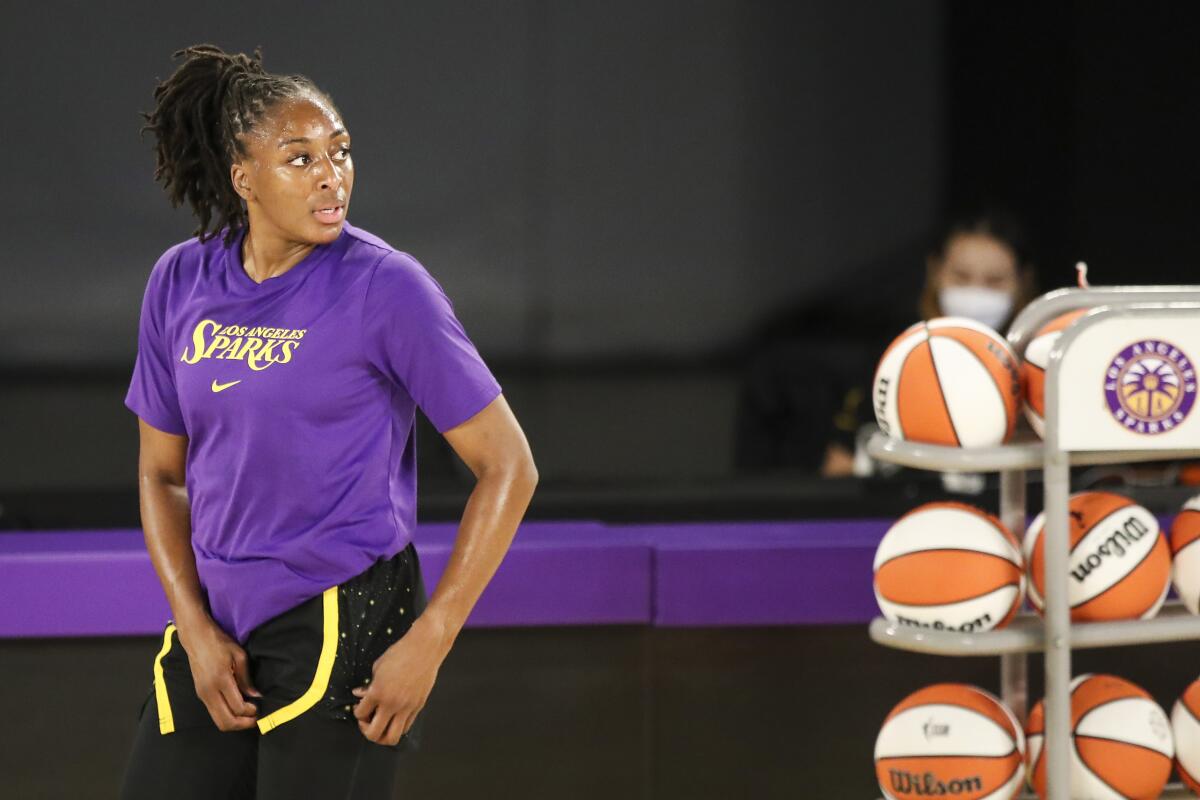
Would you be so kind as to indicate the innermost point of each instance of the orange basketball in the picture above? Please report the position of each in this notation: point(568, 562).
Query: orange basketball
point(949, 566)
point(1123, 746)
point(1185, 552)
point(1119, 566)
point(948, 381)
point(1033, 368)
point(953, 740)
point(1185, 724)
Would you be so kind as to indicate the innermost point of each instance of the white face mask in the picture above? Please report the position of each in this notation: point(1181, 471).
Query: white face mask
point(988, 306)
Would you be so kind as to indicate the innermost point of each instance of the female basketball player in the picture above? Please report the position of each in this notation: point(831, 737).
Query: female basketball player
point(281, 356)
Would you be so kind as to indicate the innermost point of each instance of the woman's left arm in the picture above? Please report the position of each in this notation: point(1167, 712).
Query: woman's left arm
point(494, 448)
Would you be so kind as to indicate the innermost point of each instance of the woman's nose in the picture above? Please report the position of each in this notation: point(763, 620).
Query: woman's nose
point(329, 175)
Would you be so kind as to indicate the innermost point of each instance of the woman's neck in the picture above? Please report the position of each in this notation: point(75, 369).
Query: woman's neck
point(268, 256)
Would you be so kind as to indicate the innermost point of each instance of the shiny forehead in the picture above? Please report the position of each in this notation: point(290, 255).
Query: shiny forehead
point(307, 117)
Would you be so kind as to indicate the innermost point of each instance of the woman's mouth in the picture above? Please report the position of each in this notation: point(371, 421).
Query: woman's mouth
point(331, 215)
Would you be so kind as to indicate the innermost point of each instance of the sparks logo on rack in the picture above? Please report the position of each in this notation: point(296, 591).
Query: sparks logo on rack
point(1150, 387)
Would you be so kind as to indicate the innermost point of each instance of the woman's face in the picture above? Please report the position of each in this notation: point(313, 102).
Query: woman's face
point(297, 175)
point(976, 259)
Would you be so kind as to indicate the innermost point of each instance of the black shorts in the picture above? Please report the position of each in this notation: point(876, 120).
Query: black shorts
point(304, 662)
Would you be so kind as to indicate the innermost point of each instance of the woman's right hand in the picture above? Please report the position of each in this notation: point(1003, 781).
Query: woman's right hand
point(219, 667)
point(221, 673)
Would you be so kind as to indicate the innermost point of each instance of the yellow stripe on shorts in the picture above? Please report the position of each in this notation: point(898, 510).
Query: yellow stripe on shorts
point(320, 683)
point(166, 721)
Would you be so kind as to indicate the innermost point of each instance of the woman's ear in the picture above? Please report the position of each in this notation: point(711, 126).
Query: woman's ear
point(241, 181)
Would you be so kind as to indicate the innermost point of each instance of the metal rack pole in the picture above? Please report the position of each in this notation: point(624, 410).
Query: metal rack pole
point(1057, 740)
point(1014, 667)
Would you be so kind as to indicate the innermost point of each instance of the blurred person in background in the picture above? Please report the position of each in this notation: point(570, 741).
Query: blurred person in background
point(804, 403)
point(980, 268)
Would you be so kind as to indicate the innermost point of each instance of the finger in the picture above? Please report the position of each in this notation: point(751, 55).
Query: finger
point(240, 724)
point(377, 726)
point(241, 674)
point(238, 705)
point(225, 721)
point(375, 729)
point(365, 707)
point(395, 730)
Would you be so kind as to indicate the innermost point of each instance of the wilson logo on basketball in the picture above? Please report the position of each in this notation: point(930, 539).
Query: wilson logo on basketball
point(1114, 546)
point(927, 784)
point(981, 623)
point(1119, 561)
point(1150, 387)
point(932, 729)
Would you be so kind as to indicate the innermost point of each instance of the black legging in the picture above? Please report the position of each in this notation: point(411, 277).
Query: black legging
point(318, 753)
point(310, 756)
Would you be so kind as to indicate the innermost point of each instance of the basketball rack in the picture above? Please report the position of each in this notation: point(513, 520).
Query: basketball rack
point(1089, 434)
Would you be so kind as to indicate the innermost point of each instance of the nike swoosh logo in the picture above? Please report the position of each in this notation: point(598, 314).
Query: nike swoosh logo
point(220, 387)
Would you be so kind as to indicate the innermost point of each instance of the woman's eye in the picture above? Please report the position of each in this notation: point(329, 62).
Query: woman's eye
point(343, 153)
point(298, 161)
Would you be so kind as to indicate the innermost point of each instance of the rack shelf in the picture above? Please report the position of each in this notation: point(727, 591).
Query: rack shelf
point(1026, 634)
point(1002, 458)
point(1173, 791)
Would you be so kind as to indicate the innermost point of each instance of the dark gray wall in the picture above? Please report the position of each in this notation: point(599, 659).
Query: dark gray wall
point(586, 178)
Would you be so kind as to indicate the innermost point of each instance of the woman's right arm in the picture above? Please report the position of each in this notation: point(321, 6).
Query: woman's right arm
point(219, 666)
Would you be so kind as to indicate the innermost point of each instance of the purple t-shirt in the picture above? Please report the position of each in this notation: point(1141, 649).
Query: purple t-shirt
point(298, 397)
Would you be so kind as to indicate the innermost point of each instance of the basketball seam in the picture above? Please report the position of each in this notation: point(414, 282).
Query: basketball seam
point(1018, 733)
point(954, 602)
point(1025, 393)
point(978, 513)
point(952, 505)
point(1189, 711)
point(1009, 754)
point(941, 391)
point(1009, 419)
point(1018, 775)
point(946, 550)
point(1183, 772)
point(954, 704)
point(1098, 706)
point(900, 374)
point(1121, 741)
point(1181, 550)
point(1084, 764)
point(1031, 590)
point(1175, 552)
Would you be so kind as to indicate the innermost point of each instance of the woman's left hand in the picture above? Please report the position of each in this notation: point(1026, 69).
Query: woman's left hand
point(401, 680)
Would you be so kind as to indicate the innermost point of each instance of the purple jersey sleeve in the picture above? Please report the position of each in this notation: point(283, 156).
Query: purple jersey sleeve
point(151, 392)
point(411, 335)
